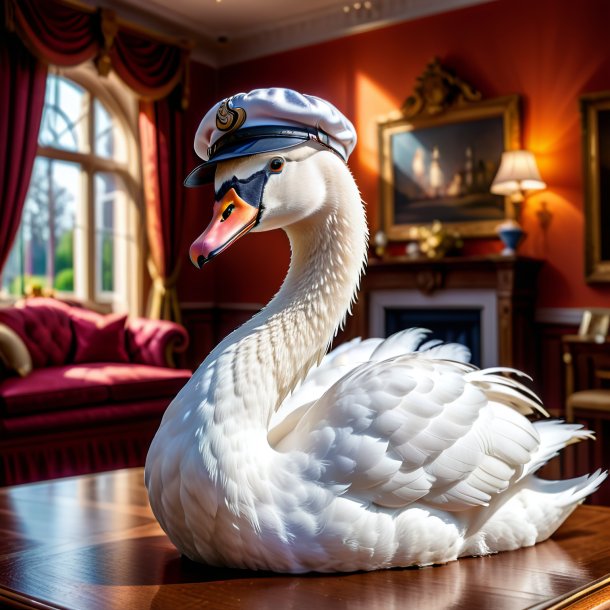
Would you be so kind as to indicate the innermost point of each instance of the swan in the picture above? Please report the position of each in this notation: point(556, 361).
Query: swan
point(382, 453)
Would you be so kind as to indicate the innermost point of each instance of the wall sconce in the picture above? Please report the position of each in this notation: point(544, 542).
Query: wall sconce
point(517, 174)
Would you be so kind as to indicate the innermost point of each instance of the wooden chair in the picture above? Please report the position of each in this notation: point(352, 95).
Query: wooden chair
point(594, 323)
point(587, 383)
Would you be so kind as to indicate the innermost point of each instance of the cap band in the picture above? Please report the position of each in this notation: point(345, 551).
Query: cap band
point(240, 136)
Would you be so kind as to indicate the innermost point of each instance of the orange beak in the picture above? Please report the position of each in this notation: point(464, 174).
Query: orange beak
point(232, 217)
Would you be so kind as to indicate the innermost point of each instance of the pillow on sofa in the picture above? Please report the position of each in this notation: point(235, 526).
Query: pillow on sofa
point(44, 327)
point(13, 352)
point(99, 338)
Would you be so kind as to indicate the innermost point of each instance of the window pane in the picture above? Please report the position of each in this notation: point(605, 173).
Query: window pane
point(65, 115)
point(42, 256)
point(108, 195)
point(109, 137)
point(12, 274)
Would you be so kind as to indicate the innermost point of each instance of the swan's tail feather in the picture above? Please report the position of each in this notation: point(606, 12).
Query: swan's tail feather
point(569, 493)
point(554, 434)
point(531, 515)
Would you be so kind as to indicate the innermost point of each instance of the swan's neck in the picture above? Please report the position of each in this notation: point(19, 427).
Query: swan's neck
point(272, 352)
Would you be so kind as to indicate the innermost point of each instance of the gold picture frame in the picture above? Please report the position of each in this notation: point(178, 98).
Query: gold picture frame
point(595, 120)
point(439, 154)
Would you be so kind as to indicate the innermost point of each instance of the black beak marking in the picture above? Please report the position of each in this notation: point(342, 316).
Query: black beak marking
point(201, 261)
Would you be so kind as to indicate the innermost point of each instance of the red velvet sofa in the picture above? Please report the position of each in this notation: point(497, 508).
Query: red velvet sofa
point(93, 394)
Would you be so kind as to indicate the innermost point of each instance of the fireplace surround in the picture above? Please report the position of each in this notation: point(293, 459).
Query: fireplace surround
point(455, 315)
point(502, 289)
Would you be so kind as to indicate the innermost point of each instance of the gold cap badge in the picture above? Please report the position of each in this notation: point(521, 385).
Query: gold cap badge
point(229, 118)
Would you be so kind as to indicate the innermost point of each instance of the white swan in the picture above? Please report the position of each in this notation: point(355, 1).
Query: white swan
point(380, 457)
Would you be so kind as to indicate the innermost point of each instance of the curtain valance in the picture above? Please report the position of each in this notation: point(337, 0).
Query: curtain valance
point(65, 34)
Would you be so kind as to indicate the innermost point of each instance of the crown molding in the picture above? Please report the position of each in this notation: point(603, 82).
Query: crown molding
point(331, 24)
point(281, 35)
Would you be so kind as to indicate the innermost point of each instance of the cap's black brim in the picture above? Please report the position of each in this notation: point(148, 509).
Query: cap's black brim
point(204, 173)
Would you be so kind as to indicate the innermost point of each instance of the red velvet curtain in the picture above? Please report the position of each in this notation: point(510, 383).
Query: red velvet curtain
point(55, 33)
point(22, 88)
point(162, 145)
point(66, 35)
point(149, 67)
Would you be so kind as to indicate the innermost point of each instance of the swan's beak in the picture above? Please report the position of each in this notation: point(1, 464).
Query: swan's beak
point(232, 217)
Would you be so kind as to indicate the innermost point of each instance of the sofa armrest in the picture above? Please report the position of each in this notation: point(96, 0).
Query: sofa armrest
point(155, 342)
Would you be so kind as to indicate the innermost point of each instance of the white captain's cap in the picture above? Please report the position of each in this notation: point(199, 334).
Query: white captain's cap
point(265, 120)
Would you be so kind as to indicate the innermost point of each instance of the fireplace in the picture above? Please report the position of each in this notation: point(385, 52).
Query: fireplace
point(460, 316)
point(498, 290)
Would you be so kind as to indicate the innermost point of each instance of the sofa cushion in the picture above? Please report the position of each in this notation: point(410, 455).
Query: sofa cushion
point(99, 338)
point(50, 389)
point(13, 352)
point(44, 326)
point(79, 385)
point(141, 381)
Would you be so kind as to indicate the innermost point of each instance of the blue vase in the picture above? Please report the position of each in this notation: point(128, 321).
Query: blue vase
point(511, 235)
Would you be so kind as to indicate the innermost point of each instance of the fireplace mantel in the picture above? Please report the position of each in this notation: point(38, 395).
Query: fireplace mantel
point(513, 279)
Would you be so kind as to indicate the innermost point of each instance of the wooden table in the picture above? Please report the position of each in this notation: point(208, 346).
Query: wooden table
point(91, 542)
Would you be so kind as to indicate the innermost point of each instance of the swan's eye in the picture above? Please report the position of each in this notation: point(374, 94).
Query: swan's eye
point(227, 212)
point(276, 165)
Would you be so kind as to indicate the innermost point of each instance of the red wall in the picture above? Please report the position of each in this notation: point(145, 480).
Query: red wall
point(194, 285)
point(549, 51)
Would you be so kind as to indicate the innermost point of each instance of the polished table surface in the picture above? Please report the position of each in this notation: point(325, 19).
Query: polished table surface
point(92, 542)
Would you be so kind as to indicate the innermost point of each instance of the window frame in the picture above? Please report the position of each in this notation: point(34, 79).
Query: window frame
point(122, 105)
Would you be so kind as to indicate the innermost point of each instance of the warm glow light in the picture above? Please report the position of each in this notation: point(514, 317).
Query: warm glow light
point(371, 101)
point(518, 172)
point(370, 95)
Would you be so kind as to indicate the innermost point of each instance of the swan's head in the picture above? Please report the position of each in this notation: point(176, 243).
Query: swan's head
point(268, 153)
point(264, 192)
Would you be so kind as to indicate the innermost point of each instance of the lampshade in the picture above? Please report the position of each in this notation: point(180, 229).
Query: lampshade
point(518, 172)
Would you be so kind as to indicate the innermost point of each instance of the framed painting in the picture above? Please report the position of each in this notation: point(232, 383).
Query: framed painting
point(439, 155)
point(595, 117)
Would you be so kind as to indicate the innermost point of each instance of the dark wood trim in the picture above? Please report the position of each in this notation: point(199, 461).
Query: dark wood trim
point(595, 595)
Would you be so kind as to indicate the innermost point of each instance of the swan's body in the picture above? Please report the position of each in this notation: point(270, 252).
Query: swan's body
point(381, 457)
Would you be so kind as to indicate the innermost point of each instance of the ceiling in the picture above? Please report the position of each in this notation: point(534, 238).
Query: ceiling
point(229, 31)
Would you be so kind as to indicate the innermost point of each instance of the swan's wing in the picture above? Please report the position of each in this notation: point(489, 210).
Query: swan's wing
point(347, 356)
point(414, 340)
point(414, 429)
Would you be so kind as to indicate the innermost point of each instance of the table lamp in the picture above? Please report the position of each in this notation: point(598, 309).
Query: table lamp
point(517, 174)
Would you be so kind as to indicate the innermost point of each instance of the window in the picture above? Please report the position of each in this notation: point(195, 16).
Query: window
point(79, 232)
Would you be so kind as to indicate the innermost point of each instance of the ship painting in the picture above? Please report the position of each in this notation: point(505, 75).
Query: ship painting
point(445, 172)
